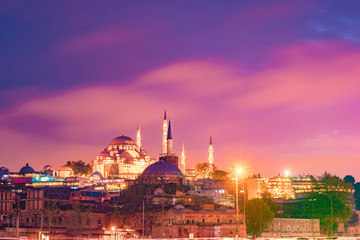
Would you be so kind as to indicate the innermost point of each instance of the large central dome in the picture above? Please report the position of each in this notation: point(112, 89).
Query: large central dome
point(161, 172)
point(123, 140)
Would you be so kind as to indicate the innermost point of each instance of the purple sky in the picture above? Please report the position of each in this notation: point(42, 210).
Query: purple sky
point(277, 83)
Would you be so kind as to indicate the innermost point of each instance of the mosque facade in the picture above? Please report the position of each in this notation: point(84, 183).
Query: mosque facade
point(123, 157)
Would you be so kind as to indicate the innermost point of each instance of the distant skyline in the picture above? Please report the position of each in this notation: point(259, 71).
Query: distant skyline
point(276, 83)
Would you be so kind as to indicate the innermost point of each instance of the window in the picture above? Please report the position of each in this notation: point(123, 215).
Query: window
point(203, 220)
point(218, 220)
point(230, 220)
point(187, 221)
point(193, 221)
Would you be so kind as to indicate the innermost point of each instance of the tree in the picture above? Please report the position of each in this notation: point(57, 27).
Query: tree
point(349, 179)
point(220, 174)
point(258, 216)
point(357, 195)
point(80, 168)
point(50, 212)
point(267, 199)
point(331, 195)
point(203, 170)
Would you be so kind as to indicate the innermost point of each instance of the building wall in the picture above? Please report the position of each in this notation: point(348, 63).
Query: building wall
point(294, 227)
point(7, 198)
point(62, 219)
point(201, 223)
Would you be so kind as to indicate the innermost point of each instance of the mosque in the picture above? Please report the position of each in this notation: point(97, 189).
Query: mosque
point(125, 157)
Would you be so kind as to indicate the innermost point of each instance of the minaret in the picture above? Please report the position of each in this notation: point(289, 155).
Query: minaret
point(169, 156)
point(138, 136)
point(169, 141)
point(165, 130)
point(183, 159)
point(211, 155)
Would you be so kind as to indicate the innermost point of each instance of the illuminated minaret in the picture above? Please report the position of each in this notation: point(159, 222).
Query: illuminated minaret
point(138, 136)
point(165, 130)
point(169, 141)
point(168, 155)
point(211, 155)
point(183, 159)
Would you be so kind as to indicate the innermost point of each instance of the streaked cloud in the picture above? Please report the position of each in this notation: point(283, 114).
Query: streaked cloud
point(109, 36)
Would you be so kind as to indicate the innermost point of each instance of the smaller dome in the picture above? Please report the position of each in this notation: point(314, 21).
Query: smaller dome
point(179, 206)
point(96, 175)
point(48, 167)
point(104, 154)
point(65, 168)
point(123, 140)
point(26, 169)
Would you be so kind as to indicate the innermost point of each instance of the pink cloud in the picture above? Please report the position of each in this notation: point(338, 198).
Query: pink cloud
point(198, 78)
point(305, 80)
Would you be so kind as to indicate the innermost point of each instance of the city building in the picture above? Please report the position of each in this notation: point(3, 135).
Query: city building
point(279, 186)
point(214, 188)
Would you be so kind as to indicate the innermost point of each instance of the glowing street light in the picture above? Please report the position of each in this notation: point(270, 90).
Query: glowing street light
point(238, 171)
point(113, 229)
point(243, 191)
